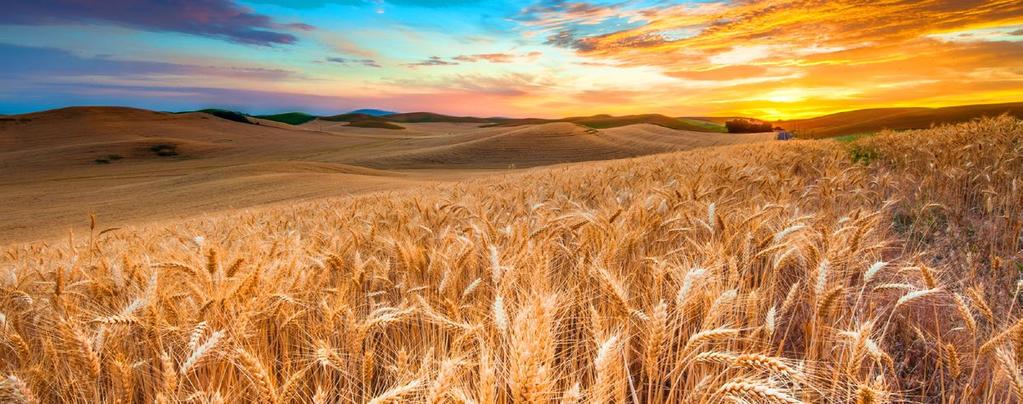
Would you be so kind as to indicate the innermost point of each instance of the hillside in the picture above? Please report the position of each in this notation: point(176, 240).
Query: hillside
point(129, 165)
point(610, 121)
point(595, 121)
point(374, 112)
point(419, 117)
point(780, 272)
point(873, 120)
point(549, 143)
point(843, 123)
point(607, 121)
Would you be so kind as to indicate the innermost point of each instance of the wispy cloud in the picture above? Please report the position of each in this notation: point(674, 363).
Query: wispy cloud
point(432, 61)
point(498, 57)
point(23, 62)
point(349, 61)
point(212, 18)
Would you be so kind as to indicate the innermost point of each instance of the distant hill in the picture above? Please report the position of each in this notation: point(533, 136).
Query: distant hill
point(373, 112)
point(353, 117)
point(364, 116)
point(411, 117)
point(873, 120)
point(839, 124)
point(609, 121)
point(419, 117)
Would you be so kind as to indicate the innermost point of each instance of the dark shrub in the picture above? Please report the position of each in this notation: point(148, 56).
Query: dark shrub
point(748, 126)
point(165, 150)
point(229, 115)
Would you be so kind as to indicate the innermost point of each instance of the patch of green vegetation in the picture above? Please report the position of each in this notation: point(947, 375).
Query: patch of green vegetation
point(706, 125)
point(224, 114)
point(290, 118)
point(854, 137)
point(863, 154)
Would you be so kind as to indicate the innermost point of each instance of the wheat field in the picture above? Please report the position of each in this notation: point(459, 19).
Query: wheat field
point(808, 271)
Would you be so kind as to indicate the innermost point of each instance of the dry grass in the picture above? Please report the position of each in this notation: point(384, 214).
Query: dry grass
point(760, 273)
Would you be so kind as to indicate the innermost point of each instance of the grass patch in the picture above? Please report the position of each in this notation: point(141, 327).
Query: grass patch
point(854, 137)
point(224, 114)
point(706, 125)
point(290, 118)
point(863, 154)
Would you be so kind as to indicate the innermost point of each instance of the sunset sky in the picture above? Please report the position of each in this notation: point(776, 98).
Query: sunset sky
point(548, 58)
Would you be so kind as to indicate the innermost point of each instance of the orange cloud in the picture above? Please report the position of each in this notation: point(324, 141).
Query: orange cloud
point(789, 58)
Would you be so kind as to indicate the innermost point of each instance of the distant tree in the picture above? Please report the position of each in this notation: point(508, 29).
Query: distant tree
point(748, 126)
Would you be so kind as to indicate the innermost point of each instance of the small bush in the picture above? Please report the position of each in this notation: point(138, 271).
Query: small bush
point(228, 115)
point(748, 126)
point(101, 161)
point(165, 150)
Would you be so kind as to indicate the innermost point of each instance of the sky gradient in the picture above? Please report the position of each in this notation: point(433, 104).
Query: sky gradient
point(771, 59)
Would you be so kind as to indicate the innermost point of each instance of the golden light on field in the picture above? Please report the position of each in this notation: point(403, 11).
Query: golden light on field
point(779, 272)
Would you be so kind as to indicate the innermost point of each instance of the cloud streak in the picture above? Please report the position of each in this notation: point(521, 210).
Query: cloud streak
point(432, 61)
point(349, 61)
point(223, 19)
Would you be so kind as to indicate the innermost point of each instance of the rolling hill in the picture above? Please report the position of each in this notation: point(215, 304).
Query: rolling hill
point(873, 120)
point(545, 144)
point(610, 121)
point(131, 165)
point(838, 124)
point(374, 112)
point(595, 121)
point(410, 117)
